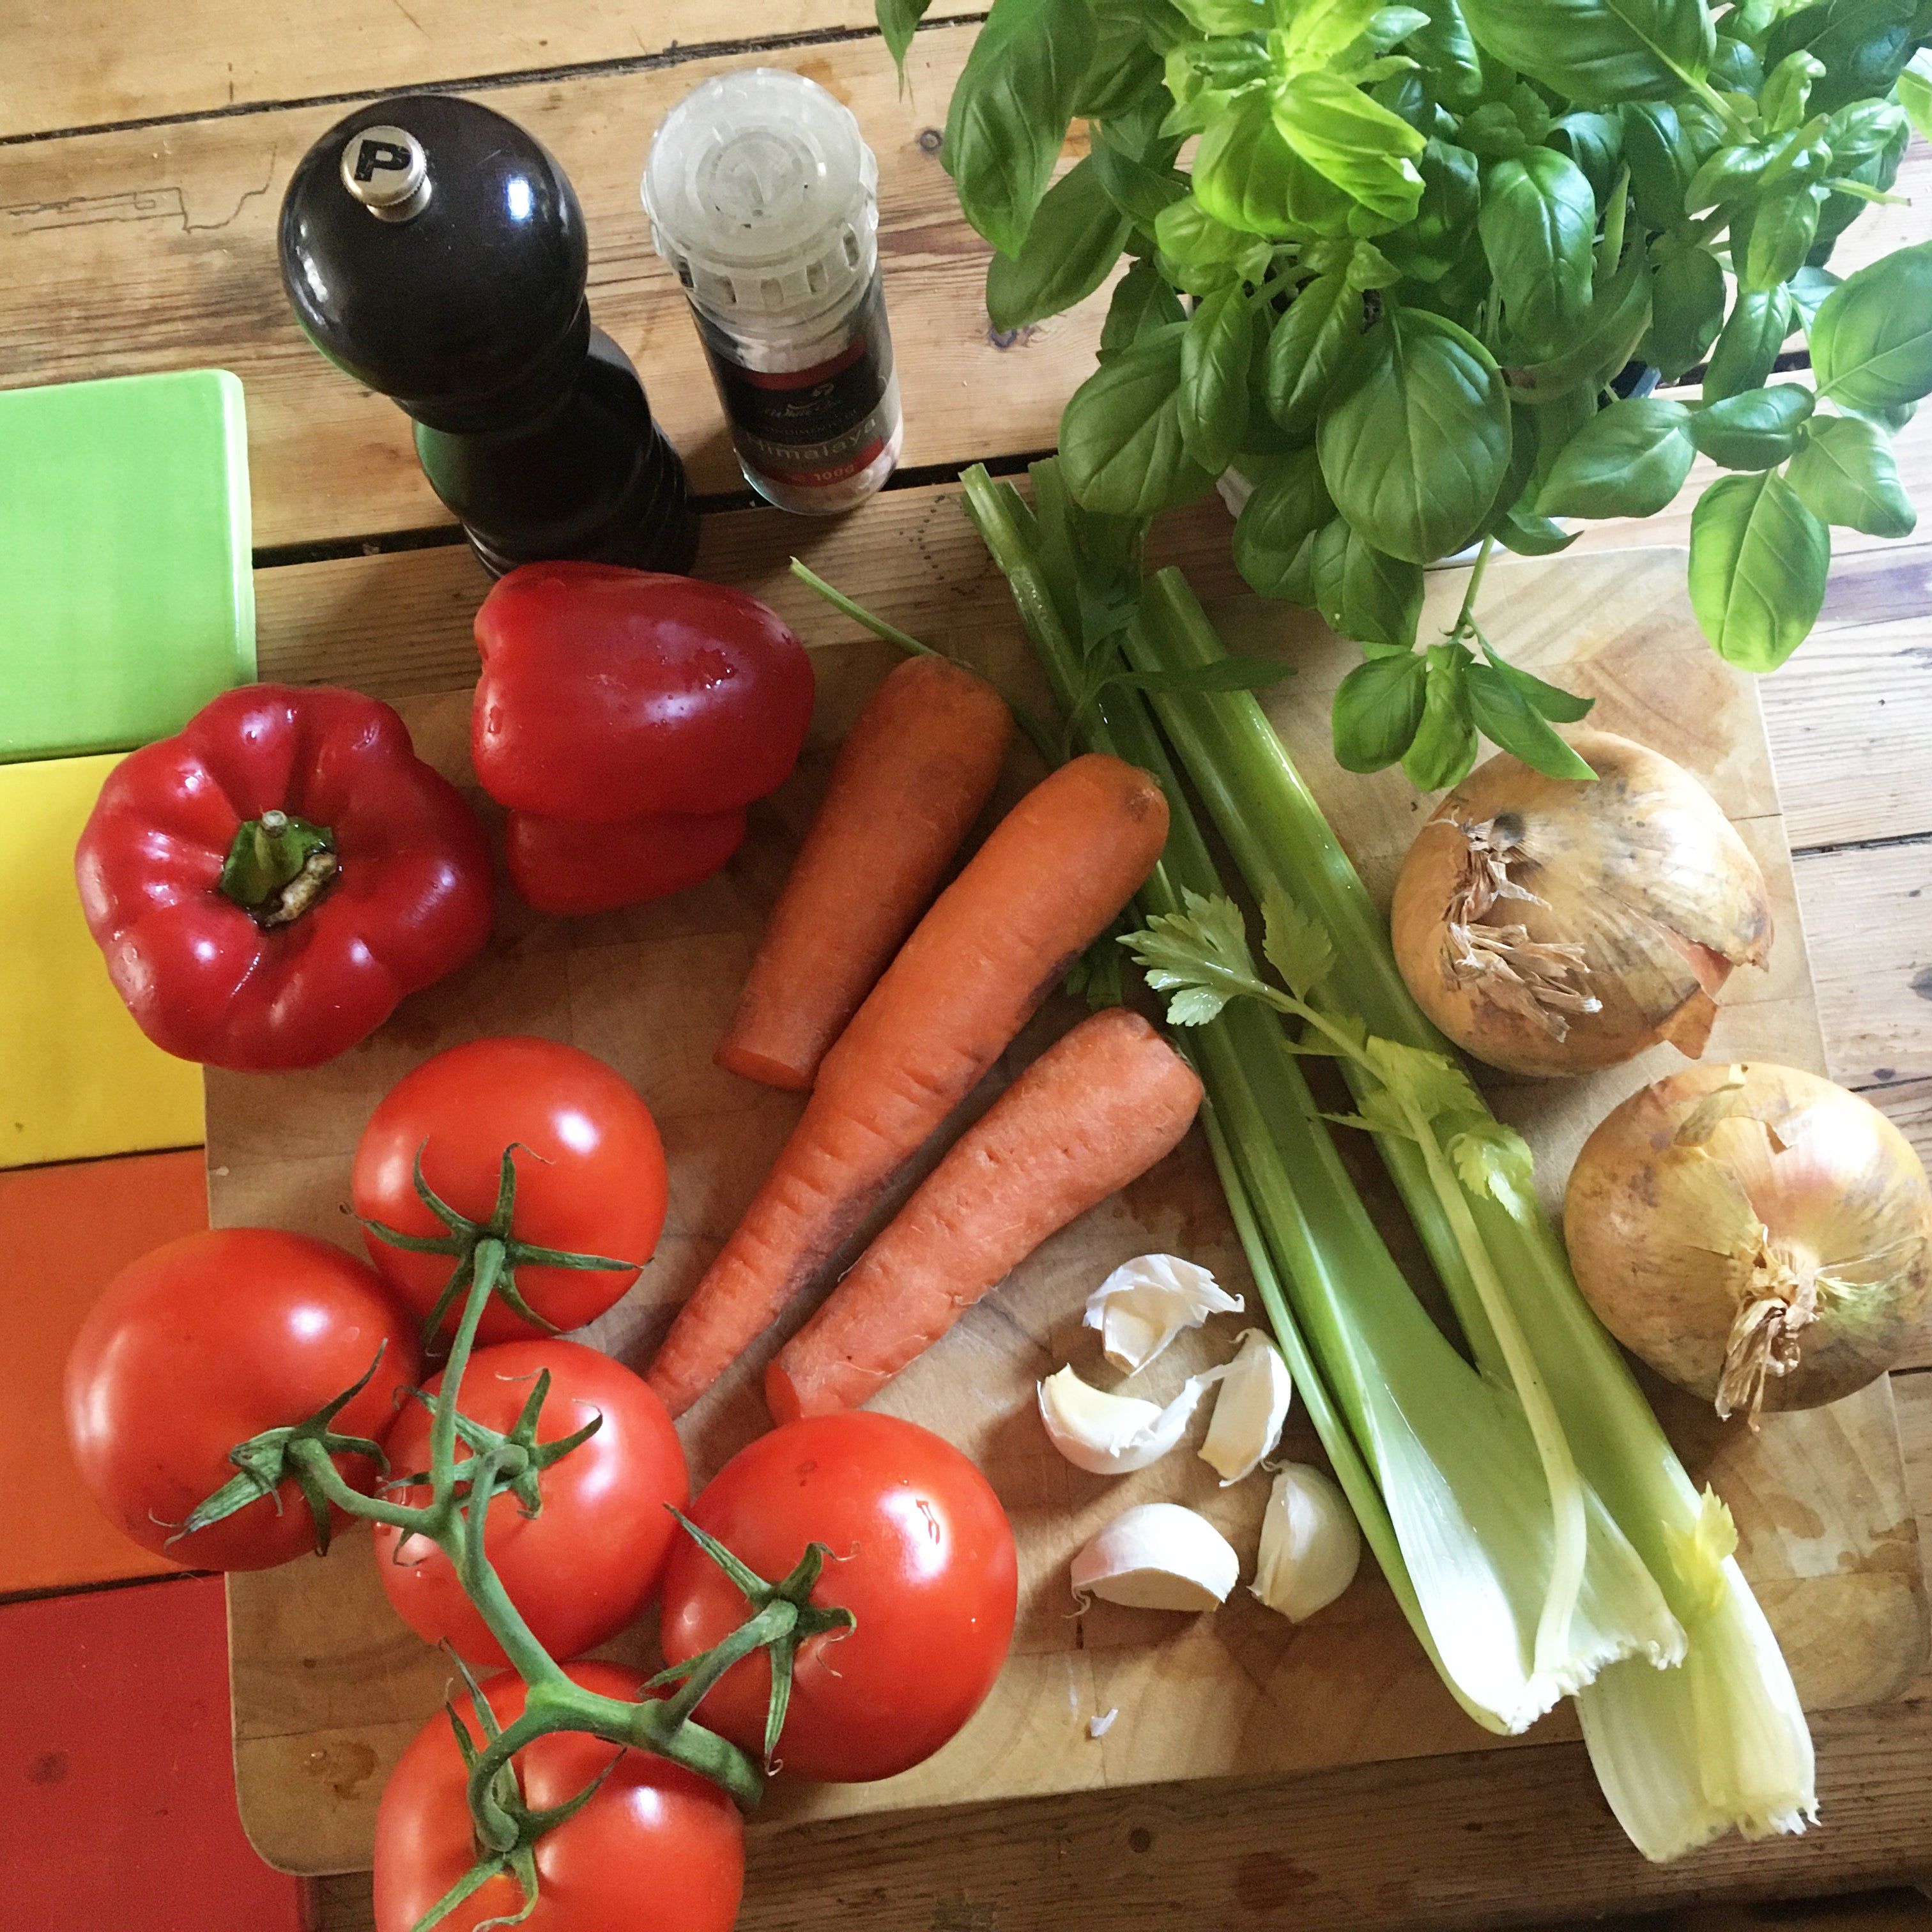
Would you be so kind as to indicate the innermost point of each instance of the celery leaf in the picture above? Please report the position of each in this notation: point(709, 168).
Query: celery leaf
point(1296, 947)
point(1199, 957)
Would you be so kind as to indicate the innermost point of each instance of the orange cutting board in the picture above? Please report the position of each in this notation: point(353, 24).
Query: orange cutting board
point(329, 1686)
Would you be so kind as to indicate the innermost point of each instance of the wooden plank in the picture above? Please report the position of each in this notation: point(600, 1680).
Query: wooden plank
point(1870, 924)
point(84, 63)
point(155, 248)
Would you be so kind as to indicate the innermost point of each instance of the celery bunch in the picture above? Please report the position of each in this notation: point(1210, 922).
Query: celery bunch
point(1534, 1524)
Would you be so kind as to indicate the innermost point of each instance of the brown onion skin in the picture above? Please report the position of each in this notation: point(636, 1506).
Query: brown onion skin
point(1641, 1216)
point(1660, 937)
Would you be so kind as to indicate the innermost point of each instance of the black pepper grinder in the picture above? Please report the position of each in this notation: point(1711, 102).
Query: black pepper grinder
point(433, 250)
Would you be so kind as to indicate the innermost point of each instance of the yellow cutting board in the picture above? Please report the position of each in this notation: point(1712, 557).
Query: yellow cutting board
point(329, 1686)
point(78, 1077)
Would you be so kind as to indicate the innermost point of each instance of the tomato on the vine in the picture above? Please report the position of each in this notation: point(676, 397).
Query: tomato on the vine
point(921, 1553)
point(210, 1340)
point(657, 1845)
point(589, 1174)
point(584, 1567)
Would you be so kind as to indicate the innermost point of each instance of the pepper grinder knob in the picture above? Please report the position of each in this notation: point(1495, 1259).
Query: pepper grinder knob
point(433, 250)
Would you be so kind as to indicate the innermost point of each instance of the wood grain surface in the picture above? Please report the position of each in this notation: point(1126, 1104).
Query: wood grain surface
point(127, 248)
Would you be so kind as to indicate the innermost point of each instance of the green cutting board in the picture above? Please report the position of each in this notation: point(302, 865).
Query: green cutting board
point(127, 598)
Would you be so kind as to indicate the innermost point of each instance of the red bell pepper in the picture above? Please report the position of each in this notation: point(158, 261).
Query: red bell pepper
point(627, 718)
point(268, 886)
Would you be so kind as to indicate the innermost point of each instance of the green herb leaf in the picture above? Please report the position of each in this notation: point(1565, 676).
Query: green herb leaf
point(1871, 341)
point(1216, 350)
point(1200, 957)
point(1845, 475)
point(1687, 306)
point(1309, 347)
point(1861, 45)
point(1755, 430)
point(1595, 142)
point(1506, 717)
point(1782, 228)
point(1663, 159)
point(1139, 189)
point(1597, 52)
point(1076, 235)
point(1444, 747)
point(1493, 1160)
point(1787, 88)
point(1010, 109)
point(1361, 592)
point(1415, 440)
point(1275, 534)
point(1200, 253)
point(1297, 946)
point(1619, 317)
point(1914, 89)
point(1440, 232)
point(1126, 65)
point(1547, 700)
point(1748, 343)
point(1727, 173)
point(1228, 16)
point(1445, 48)
point(1246, 175)
point(1431, 1083)
point(1120, 446)
point(1629, 460)
point(1758, 562)
point(1808, 288)
point(1345, 136)
point(1142, 303)
point(1378, 708)
point(898, 20)
point(1529, 534)
point(1538, 225)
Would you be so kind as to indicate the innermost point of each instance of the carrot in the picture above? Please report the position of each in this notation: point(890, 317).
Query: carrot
point(916, 767)
point(1054, 871)
point(1094, 1111)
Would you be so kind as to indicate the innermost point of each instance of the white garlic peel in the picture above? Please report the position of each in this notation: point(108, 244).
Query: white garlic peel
point(1099, 1727)
point(1310, 1545)
point(1158, 1556)
point(1249, 1409)
point(1146, 1302)
point(1112, 1435)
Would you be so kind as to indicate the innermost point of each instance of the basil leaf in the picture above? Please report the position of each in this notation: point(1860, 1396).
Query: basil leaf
point(1507, 718)
point(1274, 535)
point(1141, 191)
point(1914, 89)
point(1809, 287)
point(1142, 302)
point(1687, 306)
point(1727, 173)
point(1748, 343)
point(1845, 475)
point(1494, 132)
point(1308, 349)
point(1342, 134)
point(1758, 562)
point(1125, 67)
point(1429, 245)
point(1664, 159)
point(1361, 592)
point(1871, 340)
point(1444, 747)
point(1547, 700)
point(1862, 46)
point(1619, 315)
point(1756, 430)
point(897, 20)
point(1783, 225)
point(1734, 65)
point(1378, 707)
point(1010, 109)
point(1529, 534)
point(1445, 48)
point(1539, 225)
point(1415, 440)
point(1787, 88)
point(1596, 52)
point(1120, 448)
point(1228, 16)
point(1245, 175)
point(1595, 142)
point(1076, 235)
point(1215, 351)
point(1629, 460)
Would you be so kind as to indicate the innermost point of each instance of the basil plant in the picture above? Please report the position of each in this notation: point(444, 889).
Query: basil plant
point(1423, 256)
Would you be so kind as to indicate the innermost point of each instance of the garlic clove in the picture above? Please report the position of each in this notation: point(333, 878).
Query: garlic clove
point(1146, 1302)
point(1158, 1556)
point(1249, 1409)
point(1310, 1545)
point(1111, 1434)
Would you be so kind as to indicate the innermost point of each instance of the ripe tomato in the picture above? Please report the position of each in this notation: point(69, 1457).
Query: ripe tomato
point(586, 1564)
point(658, 1846)
point(590, 1173)
point(206, 1341)
point(923, 1555)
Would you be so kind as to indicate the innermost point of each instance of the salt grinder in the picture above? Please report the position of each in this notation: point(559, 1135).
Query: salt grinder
point(435, 252)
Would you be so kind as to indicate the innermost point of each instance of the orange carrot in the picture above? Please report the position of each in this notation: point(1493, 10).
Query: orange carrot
point(917, 766)
point(1094, 1111)
point(1055, 870)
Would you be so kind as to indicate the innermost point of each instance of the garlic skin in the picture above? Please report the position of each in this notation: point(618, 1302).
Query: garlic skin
point(1310, 1545)
point(1146, 1302)
point(1551, 927)
point(1114, 1434)
point(1250, 1409)
point(1158, 1556)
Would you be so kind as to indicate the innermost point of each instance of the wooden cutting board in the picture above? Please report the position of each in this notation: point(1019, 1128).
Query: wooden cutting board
point(329, 1686)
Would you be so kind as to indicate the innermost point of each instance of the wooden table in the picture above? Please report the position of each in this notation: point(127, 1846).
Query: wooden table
point(143, 156)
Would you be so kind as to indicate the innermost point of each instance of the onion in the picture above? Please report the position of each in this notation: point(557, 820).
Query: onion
point(1551, 926)
point(1756, 1235)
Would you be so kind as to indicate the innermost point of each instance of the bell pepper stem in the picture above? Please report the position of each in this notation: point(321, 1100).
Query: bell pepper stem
point(277, 866)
